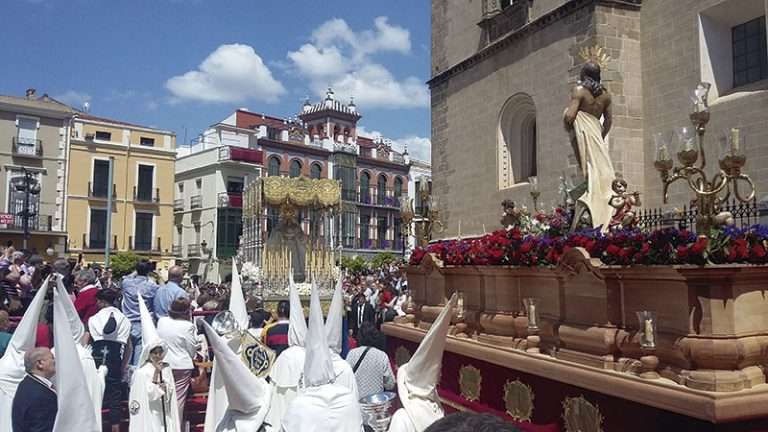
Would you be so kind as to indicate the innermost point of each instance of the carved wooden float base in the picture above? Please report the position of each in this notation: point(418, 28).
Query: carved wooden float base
point(627, 402)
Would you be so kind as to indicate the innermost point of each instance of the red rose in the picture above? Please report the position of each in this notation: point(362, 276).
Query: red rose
point(645, 248)
point(612, 250)
point(526, 246)
point(758, 251)
point(682, 252)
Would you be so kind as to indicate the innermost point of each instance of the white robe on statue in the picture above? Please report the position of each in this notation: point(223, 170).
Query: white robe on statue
point(145, 403)
point(599, 170)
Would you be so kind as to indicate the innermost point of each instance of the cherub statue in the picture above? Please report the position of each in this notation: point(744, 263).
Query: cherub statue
point(510, 218)
point(623, 201)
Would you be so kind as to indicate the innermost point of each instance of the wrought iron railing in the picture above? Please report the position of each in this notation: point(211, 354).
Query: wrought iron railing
point(744, 215)
point(146, 195)
point(178, 204)
point(196, 202)
point(100, 191)
point(27, 147)
point(40, 223)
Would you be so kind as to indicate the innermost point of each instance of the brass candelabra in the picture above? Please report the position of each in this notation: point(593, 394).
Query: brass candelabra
point(423, 221)
point(710, 192)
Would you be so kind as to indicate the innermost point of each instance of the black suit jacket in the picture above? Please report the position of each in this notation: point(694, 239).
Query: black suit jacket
point(34, 406)
point(369, 315)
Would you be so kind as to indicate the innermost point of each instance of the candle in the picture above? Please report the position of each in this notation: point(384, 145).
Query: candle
point(735, 141)
point(648, 333)
point(484, 231)
point(532, 320)
point(459, 229)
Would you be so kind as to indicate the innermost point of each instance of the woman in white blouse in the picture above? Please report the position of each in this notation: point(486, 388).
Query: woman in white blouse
point(180, 335)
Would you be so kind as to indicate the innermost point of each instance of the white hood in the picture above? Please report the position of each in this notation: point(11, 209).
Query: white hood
point(237, 300)
point(149, 337)
point(297, 327)
point(23, 339)
point(318, 367)
point(75, 406)
point(417, 380)
point(76, 326)
point(333, 324)
point(246, 393)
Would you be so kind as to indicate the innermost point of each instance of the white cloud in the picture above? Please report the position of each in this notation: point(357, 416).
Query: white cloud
point(418, 147)
point(231, 73)
point(344, 59)
point(73, 98)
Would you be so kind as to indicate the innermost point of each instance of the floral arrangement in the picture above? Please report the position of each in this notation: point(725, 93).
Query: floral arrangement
point(250, 271)
point(545, 246)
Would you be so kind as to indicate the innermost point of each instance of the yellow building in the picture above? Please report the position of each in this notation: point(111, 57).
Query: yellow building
point(143, 161)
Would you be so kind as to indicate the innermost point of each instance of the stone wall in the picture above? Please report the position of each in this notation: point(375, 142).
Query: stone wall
point(671, 67)
point(542, 61)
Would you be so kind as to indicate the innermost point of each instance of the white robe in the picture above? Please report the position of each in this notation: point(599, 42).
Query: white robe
point(401, 422)
point(145, 402)
point(94, 377)
point(285, 376)
point(11, 374)
point(344, 375)
point(599, 169)
point(217, 403)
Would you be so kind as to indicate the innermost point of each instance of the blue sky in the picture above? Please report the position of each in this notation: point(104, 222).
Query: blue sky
point(185, 64)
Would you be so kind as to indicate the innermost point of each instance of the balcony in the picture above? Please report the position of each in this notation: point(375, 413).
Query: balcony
point(375, 244)
point(144, 245)
point(39, 223)
point(178, 205)
point(374, 197)
point(176, 250)
point(241, 154)
point(193, 250)
point(230, 200)
point(99, 191)
point(97, 243)
point(146, 195)
point(196, 202)
point(27, 147)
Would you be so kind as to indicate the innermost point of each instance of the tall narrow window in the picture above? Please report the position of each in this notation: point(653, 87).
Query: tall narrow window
point(750, 56)
point(365, 227)
point(100, 178)
point(398, 192)
point(98, 233)
point(295, 169)
point(26, 136)
point(381, 232)
point(17, 196)
point(365, 188)
point(315, 171)
point(517, 153)
point(346, 175)
point(274, 166)
point(143, 231)
point(145, 183)
point(381, 192)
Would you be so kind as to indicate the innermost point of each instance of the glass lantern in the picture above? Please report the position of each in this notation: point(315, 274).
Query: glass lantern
point(647, 321)
point(532, 310)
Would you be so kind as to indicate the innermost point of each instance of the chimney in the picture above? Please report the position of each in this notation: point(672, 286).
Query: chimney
point(30, 93)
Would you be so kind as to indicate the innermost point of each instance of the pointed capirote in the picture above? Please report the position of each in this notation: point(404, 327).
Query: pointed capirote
point(237, 299)
point(76, 326)
point(75, 407)
point(297, 327)
point(417, 380)
point(318, 367)
point(149, 337)
point(333, 323)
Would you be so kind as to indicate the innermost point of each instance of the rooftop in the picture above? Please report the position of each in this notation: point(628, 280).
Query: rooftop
point(90, 117)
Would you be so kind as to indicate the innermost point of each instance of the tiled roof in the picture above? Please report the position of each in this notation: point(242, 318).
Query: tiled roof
point(365, 142)
point(333, 106)
point(248, 120)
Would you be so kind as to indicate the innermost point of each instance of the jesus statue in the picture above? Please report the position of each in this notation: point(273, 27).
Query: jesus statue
point(590, 102)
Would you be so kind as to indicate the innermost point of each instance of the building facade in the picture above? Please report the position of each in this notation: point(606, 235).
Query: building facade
point(208, 209)
point(141, 161)
point(321, 142)
point(502, 73)
point(34, 132)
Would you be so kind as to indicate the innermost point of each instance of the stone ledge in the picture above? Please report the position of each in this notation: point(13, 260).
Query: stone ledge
point(661, 393)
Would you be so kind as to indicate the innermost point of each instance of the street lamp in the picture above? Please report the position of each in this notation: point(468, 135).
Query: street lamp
point(30, 186)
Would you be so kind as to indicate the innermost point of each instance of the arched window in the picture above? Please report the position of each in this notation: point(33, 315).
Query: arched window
point(365, 187)
point(274, 166)
point(381, 193)
point(295, 168)
point(315, 171)
point(517, 141)
point(398, 190)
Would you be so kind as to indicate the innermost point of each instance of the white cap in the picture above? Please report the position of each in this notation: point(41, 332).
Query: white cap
point(76, 408)
point(333, 323)
point(318, 367)
point(246, 392)
point(417, 379)
point(237, 300)
point(297, 327)
point(149, 337)
point(76, 326)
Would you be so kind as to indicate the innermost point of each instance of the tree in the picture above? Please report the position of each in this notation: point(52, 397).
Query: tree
point(382, 259)
point(123, 263)
point(353, 264)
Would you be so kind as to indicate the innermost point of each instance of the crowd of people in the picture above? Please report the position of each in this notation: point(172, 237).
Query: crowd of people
point(141, 348)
